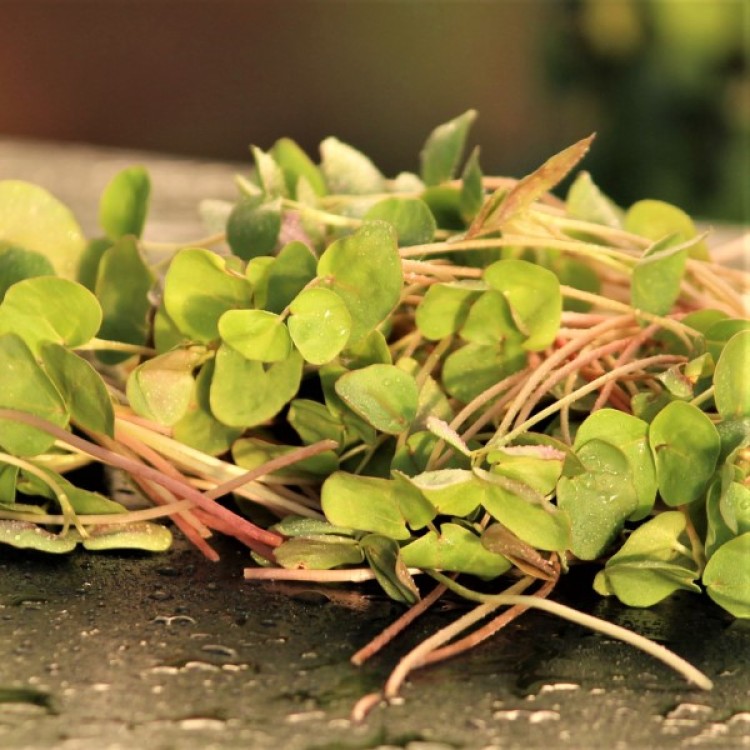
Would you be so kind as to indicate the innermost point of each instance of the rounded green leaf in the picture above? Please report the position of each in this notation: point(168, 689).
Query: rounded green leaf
point(490, 320)
point(364, 503)
point(319, 324)
point(198, 427)
point(314, 421)
point(445, 307)
point(253, 226)
point(533, 294)
point(732, 378)
point(124, 204)
point(726, 576)
point(599, 500)
point(25, 386)
point(255, 334)
point(48, 308)
point(383, 395)
point(318, 553)
point(198, 290)
point(455, 549)
point(81, 387)
point(453, 492)
point(656, 279)
point(686, 446)
point(160, 389)
point(410, 217)
point(630, 435)
point(364, 269)
point(35, 220)
point(292, 269)
point(245, 392)
point(474, 368)
point(123, 283)
point(17, 264)
point(655, 220)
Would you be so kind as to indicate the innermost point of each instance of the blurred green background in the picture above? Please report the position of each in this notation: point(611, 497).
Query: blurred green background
point(663, 82)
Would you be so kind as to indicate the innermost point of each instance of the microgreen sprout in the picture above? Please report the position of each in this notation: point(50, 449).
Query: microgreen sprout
point(443, 375)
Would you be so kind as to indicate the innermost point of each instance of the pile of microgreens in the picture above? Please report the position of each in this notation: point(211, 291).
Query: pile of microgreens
point(439, 375)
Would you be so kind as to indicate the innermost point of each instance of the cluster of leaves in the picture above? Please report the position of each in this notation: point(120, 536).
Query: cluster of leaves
point(438, 372)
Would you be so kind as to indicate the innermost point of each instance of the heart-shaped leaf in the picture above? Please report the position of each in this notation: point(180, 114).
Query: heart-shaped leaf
point(319, 324)
point(383, 395)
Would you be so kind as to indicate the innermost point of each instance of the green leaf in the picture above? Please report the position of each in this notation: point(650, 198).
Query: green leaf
point(26, 535)
point(726, 578)
point(245, 393)
point(533, 294)
point(294, 526)
point(452, 492)
point(146, 536)
point(445, 307)
point(455, 549)
point(313, 421)
point(656, 220)
point(255, 334)
point(630, 435)
point(651, 564)
point(35, 220)
point(348, 171)
point(25, 386)
point(586, 201)
point(442, 151)
point(721, 332)
point(123, 283)
point(413, 505)
point(47, 308)
point(161, 388)
point(599, 500)
point(472, 190)
point(364, 503)
point(655, 283)
point(731, 381)
point(383, 395)
point(474, 368)
point(253, 226)
point(17, 264)
point(250, 453)
point(291, 271)
point(296, 164)
point(537, 466)
point(364, 269)
point(318, 553)
point(198, 290)
point(383, 556)
point(124, 203)
point(198, 427)
point(166, 334)
point(543, 527)
point(490, 320)
point(681, 436)
point(370, 350)
point(81, 387)
point(410, 217)
point(319, 324)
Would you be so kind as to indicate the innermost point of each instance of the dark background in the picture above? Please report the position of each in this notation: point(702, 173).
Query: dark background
point(663, 82)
